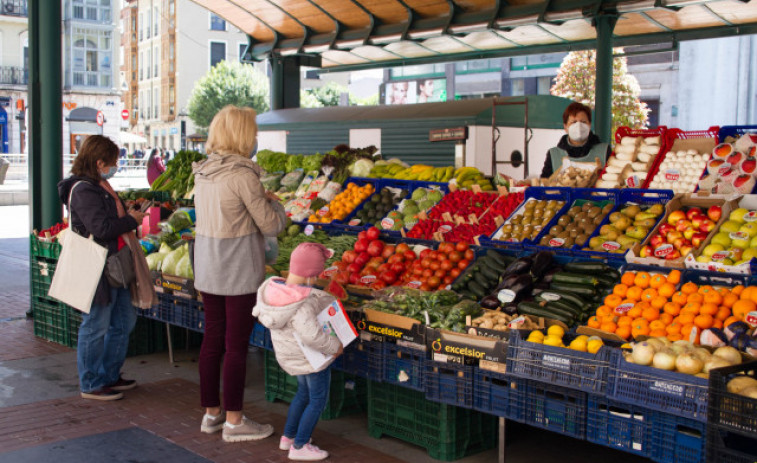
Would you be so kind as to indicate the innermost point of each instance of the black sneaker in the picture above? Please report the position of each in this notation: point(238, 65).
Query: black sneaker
point(103, 394)
point(123, 384)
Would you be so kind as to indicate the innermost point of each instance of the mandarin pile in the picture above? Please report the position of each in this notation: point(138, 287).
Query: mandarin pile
point(343, 203)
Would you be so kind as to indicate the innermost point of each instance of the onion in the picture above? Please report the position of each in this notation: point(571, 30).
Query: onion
point(728, 353)
point(664, 360)
point(715, 362)
point(665, 341)
point(750, 392)
point(656, 344)
point(689, 364)
point(628, 357)
point(703, 375)
point(702, 354)
point(643, 353)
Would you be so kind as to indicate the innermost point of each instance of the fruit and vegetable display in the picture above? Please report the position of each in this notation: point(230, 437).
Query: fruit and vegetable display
point(732, 169)
point(407, 214)
point(626, 228)
point(529, 220)
point(680, 171)
point(500, 321)
point(743, 385)
point(343, 203)
point(379, 205)
point(577, 224)
point(51, 233)
point(682, 356)
point(734, 242)
point(440, 309)
point(178, 178)
point(293, 236)
point(556, 337)
point(683, 231)
point(461, 204)
point(578, 175)
point(462, 177)
point(631, 164)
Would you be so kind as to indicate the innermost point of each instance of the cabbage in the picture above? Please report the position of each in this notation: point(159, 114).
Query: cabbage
point(361, 168)
point(155, 259)
point(172, 259)
point(184, 267)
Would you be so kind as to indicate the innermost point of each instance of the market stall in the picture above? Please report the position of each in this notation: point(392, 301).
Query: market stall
point(592, 306)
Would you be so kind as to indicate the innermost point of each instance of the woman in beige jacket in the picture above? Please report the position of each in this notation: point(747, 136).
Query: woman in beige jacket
point(234, 214)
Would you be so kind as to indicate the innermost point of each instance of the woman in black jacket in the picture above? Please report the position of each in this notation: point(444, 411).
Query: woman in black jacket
point(93, 210)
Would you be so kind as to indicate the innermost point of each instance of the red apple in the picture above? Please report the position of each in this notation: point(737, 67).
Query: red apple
point(689, 232)
point(714, 213)
point(665, 228)
point(678, 242)
point(749, 166)
point(672, 236)
point(685, 250)
point(707, 225)
point(673, 255)
point(694, 211)
point(698, 239)
point(656, 240)
point(696, 222)
point(683, 224)
point(735, 158)
point(647, 251)
point(675, 216)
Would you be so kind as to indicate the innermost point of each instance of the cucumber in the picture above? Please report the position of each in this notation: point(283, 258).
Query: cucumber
point(492, 264)
point(537, 310)
point(593, 268)
point(477, 290)
point(499, 259)
point(491, 275)
point(606, 280)
point(574, 278)
point(565, 296)
point(481, 279)
point(580, 290)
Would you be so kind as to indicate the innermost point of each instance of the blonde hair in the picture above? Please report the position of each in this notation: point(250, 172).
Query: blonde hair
point(233, 131)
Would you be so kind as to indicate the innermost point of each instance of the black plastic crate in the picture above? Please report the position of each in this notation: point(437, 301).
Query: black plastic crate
point(729, 447)
point(404, 366)
point(730, 411)
point(364, 359)
point(677, 440)
point(619, 426)
point(449, 383)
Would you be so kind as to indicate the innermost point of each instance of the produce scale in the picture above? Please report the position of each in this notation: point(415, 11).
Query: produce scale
point(611, 303)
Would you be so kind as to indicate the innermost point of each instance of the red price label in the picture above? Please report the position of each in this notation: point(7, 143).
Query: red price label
point(387, 223)
point(751, 318)
point(354, 222)
point(663, 250)
point(368, 280)
point(724, 170)
point(323, 211)
point(672, 175)
point(414, 284)
point(445, 229)
point(556, 242)
point(738, 236)
point(330, 271)
point(309, 230)
point(720, 255)
point(610, 245)
point(632, 181)
point(750, 216)
point(623, 308)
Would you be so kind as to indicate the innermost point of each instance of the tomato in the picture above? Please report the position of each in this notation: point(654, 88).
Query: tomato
point(362, 235)
point(462, 247)
point(342, 278)
point(409, 255)
point(426, 263)
point(425, 287)
point(434, 255)
point(375, 248)
point(388, 277)
point(435, 265)
point(428, 273)
point(434, 282)
point(362, 259)
point(446, 247)
point(378, 284)
point(349, 256)
point(463, 264)
point(418, 271)
point(340, 265)
point(397, 258)
point(469, 254)
point(440, 273)
point(354, 278)
point(398, 268)
point(373, 233)
point(447, 265)
point(354, 268)
point(448, 280)
point(401, 248)
point(383, 267)
point(455, 272)
point(388, 251)
point(455, 256)
point(361, 245)
point(425, 253)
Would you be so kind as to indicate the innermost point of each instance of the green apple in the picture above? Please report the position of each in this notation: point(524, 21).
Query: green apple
point(753, 243)
point(749, 254)
point(749, 228)
point(726, 262)
point(722, 239)
point(738, 214)
point(712, 248)
point(743, 244)
point(704, 259)
point(730, 226)
point(741, 262)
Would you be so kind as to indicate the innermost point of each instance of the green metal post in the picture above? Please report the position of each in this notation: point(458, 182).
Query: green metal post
point(285, 82)
point(604, 24)
point(45, 112)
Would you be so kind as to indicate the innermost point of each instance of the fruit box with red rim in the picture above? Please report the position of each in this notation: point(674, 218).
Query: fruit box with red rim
point(394, 328)
point(748, 202)
point(679, 202)
point(450, 347)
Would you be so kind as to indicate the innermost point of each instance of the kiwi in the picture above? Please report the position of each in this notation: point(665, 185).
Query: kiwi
point(517, 219)
point(564, 220)
point(573, 211)
point(574, 232)
point(594, 212)
point(569, 242)
point(607, 208)
point(564, 235)
point(582, 239)
point(530, 205)
point(538, 213)
point(587, 206)
point(544, 241)
point(556, 230)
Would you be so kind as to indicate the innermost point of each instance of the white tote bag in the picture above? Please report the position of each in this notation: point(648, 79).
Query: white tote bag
point(79, 268)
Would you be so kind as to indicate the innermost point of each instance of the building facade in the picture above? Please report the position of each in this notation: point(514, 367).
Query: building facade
point(14, 53)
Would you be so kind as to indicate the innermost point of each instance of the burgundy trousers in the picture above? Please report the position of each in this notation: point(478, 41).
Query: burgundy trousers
point(228, 325)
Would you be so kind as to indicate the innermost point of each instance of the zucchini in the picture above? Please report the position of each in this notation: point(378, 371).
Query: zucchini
point(606, 280)
point(593, 268)
point(492, 264)
point(571, 298)
point(574, 278)
point(565, 307)
point(477, 290)
point(499, 259)
point(580, 290)
point(562, 302)
point(481, 279)
point(490, 274)
point(537, 310)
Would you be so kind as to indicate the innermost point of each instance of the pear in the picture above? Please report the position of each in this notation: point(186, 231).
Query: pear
point(631, 211)
point(637, 232)
point(656, 209)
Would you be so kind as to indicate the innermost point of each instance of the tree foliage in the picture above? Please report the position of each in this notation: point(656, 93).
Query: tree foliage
point(576, 81)
point(318, 97)
point(228, 82)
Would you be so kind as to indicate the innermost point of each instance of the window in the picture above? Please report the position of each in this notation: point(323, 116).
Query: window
point(170, 57)
point(547, 60)
point(156, 21)
point(142, 67)
point(156, 60)
point(148, 72)
point(148, 26)
point(90, 10)
point(242, 48)
point(217, 52)
point(141, 26)
point(518, 87)
point(92, 57)
point(418, 70)
point(171, 7)
point(156, 103)
point(217, 23)
point(543, 84)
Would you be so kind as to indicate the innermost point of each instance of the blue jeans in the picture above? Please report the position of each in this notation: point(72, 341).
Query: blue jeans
point(307, 406)
point(104, 339)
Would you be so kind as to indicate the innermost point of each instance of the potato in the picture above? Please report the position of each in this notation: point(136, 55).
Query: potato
point(750, 392)
point(487, 324)
point(739, 383)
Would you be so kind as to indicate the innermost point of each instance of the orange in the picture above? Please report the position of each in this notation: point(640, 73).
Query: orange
point(705, 288)
point(703, 321)
point(659, 302)
point(674, 277)
point(644, 305)
point(673, 328)
point(737, 289)
point(747, 292)
point(722, 290)
point(674, 337)
point(635, 312)
point(666, 318)
point(686, 318)
point(729, 320)
point(713, 297)
point(610, 327)
point(730, 299)
point(624, 331)
point(658, 333)
point(620, 290)
point(743, 307)
point(613, 300)
point(708, 308)
point(642, 280)
point(657, 325)
point(695, 297)
point(603, 310)
point(717, 324)
point(634, 293)
point(648, 295)
point(686, 332)
point(657, 281)
point(754, 294)
point(679, 298)
point(667, 290)
point(628, 278)
point(593, 322)
point(624, 320)
point(691, 307)
point(651, 314)
point(689, 288)
point(723, 313)
point(639, 330)
point(672, 308)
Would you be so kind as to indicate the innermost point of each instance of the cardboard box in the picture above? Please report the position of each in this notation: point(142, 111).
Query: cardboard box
point(593, 167)
point(178, 286)
point(539, 323)
point(747, 202)
point(157, 281)
point(701, 200)
point(387, 327)
point(451, 347)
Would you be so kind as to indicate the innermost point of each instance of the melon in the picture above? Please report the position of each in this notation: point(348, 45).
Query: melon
point(336, 290)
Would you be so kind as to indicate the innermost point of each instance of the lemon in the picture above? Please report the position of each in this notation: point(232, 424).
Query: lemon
point(556, 330)
point(536, 336)
point(626, 346)
point(579, 344)
point(594, 345)
point(552, 340)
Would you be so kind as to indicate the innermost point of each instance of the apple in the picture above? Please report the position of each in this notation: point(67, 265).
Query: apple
point(707, 225)
point(736, 253)
point(698, 239)
point(672, 236)
point(665, 228)
point(696, 222)
point(714, 213)
point(675, 216)
point(685, 250)
point(683, 224)
point(750, 228)
point(689, 232)
point(647, 251)
point(693, 212)
point(704, 259)
point(748, 254)
point(711, 249)
point(656, 240)
point(679, 242)
point(673, 255)
point(738, 214)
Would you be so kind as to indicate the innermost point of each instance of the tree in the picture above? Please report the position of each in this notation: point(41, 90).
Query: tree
point(576, 81)
point(227, 83)
point(317, 97)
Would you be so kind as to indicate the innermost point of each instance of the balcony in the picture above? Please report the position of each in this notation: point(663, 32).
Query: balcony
point(13, 7)
point(12, 75)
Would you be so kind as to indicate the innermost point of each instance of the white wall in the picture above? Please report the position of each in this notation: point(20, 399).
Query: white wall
point(479, 149)
point(13, 34)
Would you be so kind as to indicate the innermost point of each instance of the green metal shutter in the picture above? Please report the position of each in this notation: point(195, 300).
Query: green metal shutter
point(409, 142)
point(320, 139)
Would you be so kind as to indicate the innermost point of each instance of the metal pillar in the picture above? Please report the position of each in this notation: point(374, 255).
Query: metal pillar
point(285, 82)
point(604, 24)
point(45, 112)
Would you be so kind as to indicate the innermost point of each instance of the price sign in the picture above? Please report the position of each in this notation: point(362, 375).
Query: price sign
point(354, 222)
point(610, 245)
point(672, 175)
point(323, 211)
point(724, 170)
point(550, 296)
point(414, 284)
point(750, 216)
point(738, 236)
point(445, 229)
point(663, 250)
point(368, 280)
point(330, 271)
point(623, 308)
point(556, 242)
point(633, 181)
point(751, 318)
point(506, 296)
point(516, 323)
point(387, 223)
point(309, 230)
point(721, 255)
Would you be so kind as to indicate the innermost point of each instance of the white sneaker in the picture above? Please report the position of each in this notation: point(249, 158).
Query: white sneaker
point(286, 443)
point(211, 425)
point(246, 431)
point(308, 452)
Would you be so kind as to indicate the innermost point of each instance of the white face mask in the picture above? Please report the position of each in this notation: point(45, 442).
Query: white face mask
point(579, 131)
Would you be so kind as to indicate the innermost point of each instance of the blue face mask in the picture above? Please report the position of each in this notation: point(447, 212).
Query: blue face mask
point(110, 173)
point(254, 150)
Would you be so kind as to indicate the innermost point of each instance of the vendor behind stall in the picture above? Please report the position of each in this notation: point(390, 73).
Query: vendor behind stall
point(580, 144)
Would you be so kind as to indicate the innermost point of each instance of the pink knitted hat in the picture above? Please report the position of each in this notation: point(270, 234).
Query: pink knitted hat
point(308, 259)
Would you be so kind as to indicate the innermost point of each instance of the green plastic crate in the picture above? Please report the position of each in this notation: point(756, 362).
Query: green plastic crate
point(50, 320)
point(347, 394)
point(44, 249)
point(42, 271)
point(74, 321)
point(447, 432)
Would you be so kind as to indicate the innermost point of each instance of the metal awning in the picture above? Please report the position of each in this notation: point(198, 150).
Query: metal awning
point(351, 34)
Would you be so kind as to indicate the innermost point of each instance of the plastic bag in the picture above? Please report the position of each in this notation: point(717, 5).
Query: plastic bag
point(292, 180)
point(184, 268)
point(271, 250)
point(172, 259)
point(305, 184)
point(271, 182)
point(330, 191)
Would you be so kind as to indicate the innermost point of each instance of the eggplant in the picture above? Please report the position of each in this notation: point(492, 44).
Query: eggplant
point(547, 277)
point(519, 267)
point(741, 341)
point(713, 337)
point(735, 329)
point(522, 287)
point(506, 282)
point(542, 261)
point(490, 302)
point(510, 309)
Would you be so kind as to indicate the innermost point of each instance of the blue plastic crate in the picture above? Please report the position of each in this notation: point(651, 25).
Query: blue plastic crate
point(450, 383)
point(537, 193)
point(162, 311)
point(261, 337)
point(498, 394)
point(188, 313)
point(678, 440)
point(555, 408)
point(559, 366)
point(736, 131)
point(665, 391)
point(344, 224)
point(703, 277)
point(362, 358)
point(404, 366)
point(619, 426)
point(412, 185)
